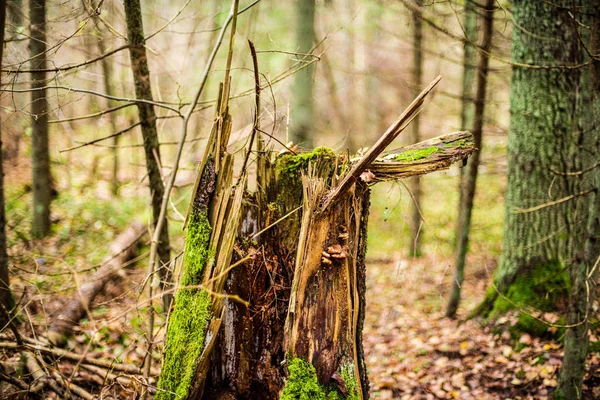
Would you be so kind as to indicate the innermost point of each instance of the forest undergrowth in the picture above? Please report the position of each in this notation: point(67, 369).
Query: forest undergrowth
point(410, 350)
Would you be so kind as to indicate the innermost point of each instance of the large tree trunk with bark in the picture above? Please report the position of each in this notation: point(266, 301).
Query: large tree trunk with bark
point(544, 206)
point(42, 181)
point(143, 90)
point(584, 269)
point(271, 298)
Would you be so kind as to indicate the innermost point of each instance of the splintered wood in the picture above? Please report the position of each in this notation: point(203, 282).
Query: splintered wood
point(286, 271)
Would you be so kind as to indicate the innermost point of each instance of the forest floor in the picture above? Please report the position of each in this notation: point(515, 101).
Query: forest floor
point(412, 352)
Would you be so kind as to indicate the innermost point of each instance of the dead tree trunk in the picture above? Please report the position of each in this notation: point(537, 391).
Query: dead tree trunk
point(278, 312)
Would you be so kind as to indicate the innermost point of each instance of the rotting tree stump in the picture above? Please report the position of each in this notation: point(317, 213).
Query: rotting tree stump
point(271, 300)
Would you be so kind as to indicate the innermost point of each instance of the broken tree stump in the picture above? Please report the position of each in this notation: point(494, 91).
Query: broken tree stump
point(78, 306)
point(277, 311)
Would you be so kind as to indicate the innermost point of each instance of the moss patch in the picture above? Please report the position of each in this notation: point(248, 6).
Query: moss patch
point(544, 287)
point(418, 154)
point(292, 163)
point(191, 314)
point(303, 383)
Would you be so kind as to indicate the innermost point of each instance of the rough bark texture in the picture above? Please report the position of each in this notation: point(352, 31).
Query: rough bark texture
point(6, 300)
point(469, 181)
point(39, 122)
point(545, 135)
point(302, 115)
point(120, 251)
point(415, 183)
point(584, 270)
point(143, 90)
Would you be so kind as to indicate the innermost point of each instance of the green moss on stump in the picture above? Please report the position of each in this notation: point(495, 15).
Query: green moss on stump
point(289, 164)
point(303, 383)
point(191, 314)
point(418, 154)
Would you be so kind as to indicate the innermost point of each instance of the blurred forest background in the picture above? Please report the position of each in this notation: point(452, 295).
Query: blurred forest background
point(335, 73)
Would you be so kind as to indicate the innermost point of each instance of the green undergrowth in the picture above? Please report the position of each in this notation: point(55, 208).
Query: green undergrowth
point(303, 384)
point(417, 154)
point(542, 287)
point(187, 325)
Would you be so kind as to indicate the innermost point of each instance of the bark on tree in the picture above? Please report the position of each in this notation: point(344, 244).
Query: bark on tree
point(584, 270)
point(39, 122)
point(143, 90)
point(302, 112)
point(6, 300)
point(468, 78)
point(469, 181)
point(282, 315)
point(547, 113)
point(415, 184)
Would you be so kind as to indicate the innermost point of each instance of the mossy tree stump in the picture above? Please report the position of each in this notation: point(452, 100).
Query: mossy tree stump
point(282, 274)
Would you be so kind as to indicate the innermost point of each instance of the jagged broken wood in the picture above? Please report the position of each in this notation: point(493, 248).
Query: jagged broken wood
point(298, 330)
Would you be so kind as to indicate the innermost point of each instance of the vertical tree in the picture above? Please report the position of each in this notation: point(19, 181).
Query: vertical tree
point(415, 183)
point(5, 294)
point(469, 179)
point(39, 121)
point(302, 118)
point(543, 206)
point(108, 89)
point(143, 90)
point(584, 271)
point(469, 60)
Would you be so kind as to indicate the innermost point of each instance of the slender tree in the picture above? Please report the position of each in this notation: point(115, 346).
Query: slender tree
point(469, 181)
point(39, 121)
point(108, 89)
point(584, 271)
point(302, 117)
point(143, 90)
point(468, 78)
point(5, 295)
point(415, 183)
point(543, 207)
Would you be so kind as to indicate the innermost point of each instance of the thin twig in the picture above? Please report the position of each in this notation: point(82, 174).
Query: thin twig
point(551, 203)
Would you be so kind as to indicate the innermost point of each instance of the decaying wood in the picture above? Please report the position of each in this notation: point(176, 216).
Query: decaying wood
point(303, 280)
point(120, 251)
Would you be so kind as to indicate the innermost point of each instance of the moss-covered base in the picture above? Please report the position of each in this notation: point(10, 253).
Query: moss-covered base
point(303, 384)
point(187, 326)
point(542, 287)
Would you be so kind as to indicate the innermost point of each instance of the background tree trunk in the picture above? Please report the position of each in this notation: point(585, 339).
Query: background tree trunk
point(302, 107)
point(469, 181)
point(143, 90)
point(584, 269)
point(544, 136)
point(415, 183)
point(106, 64)
point(6, 300)
point(39, 123)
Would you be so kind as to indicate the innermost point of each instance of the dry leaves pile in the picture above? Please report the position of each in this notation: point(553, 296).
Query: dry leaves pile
point(412, 352)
